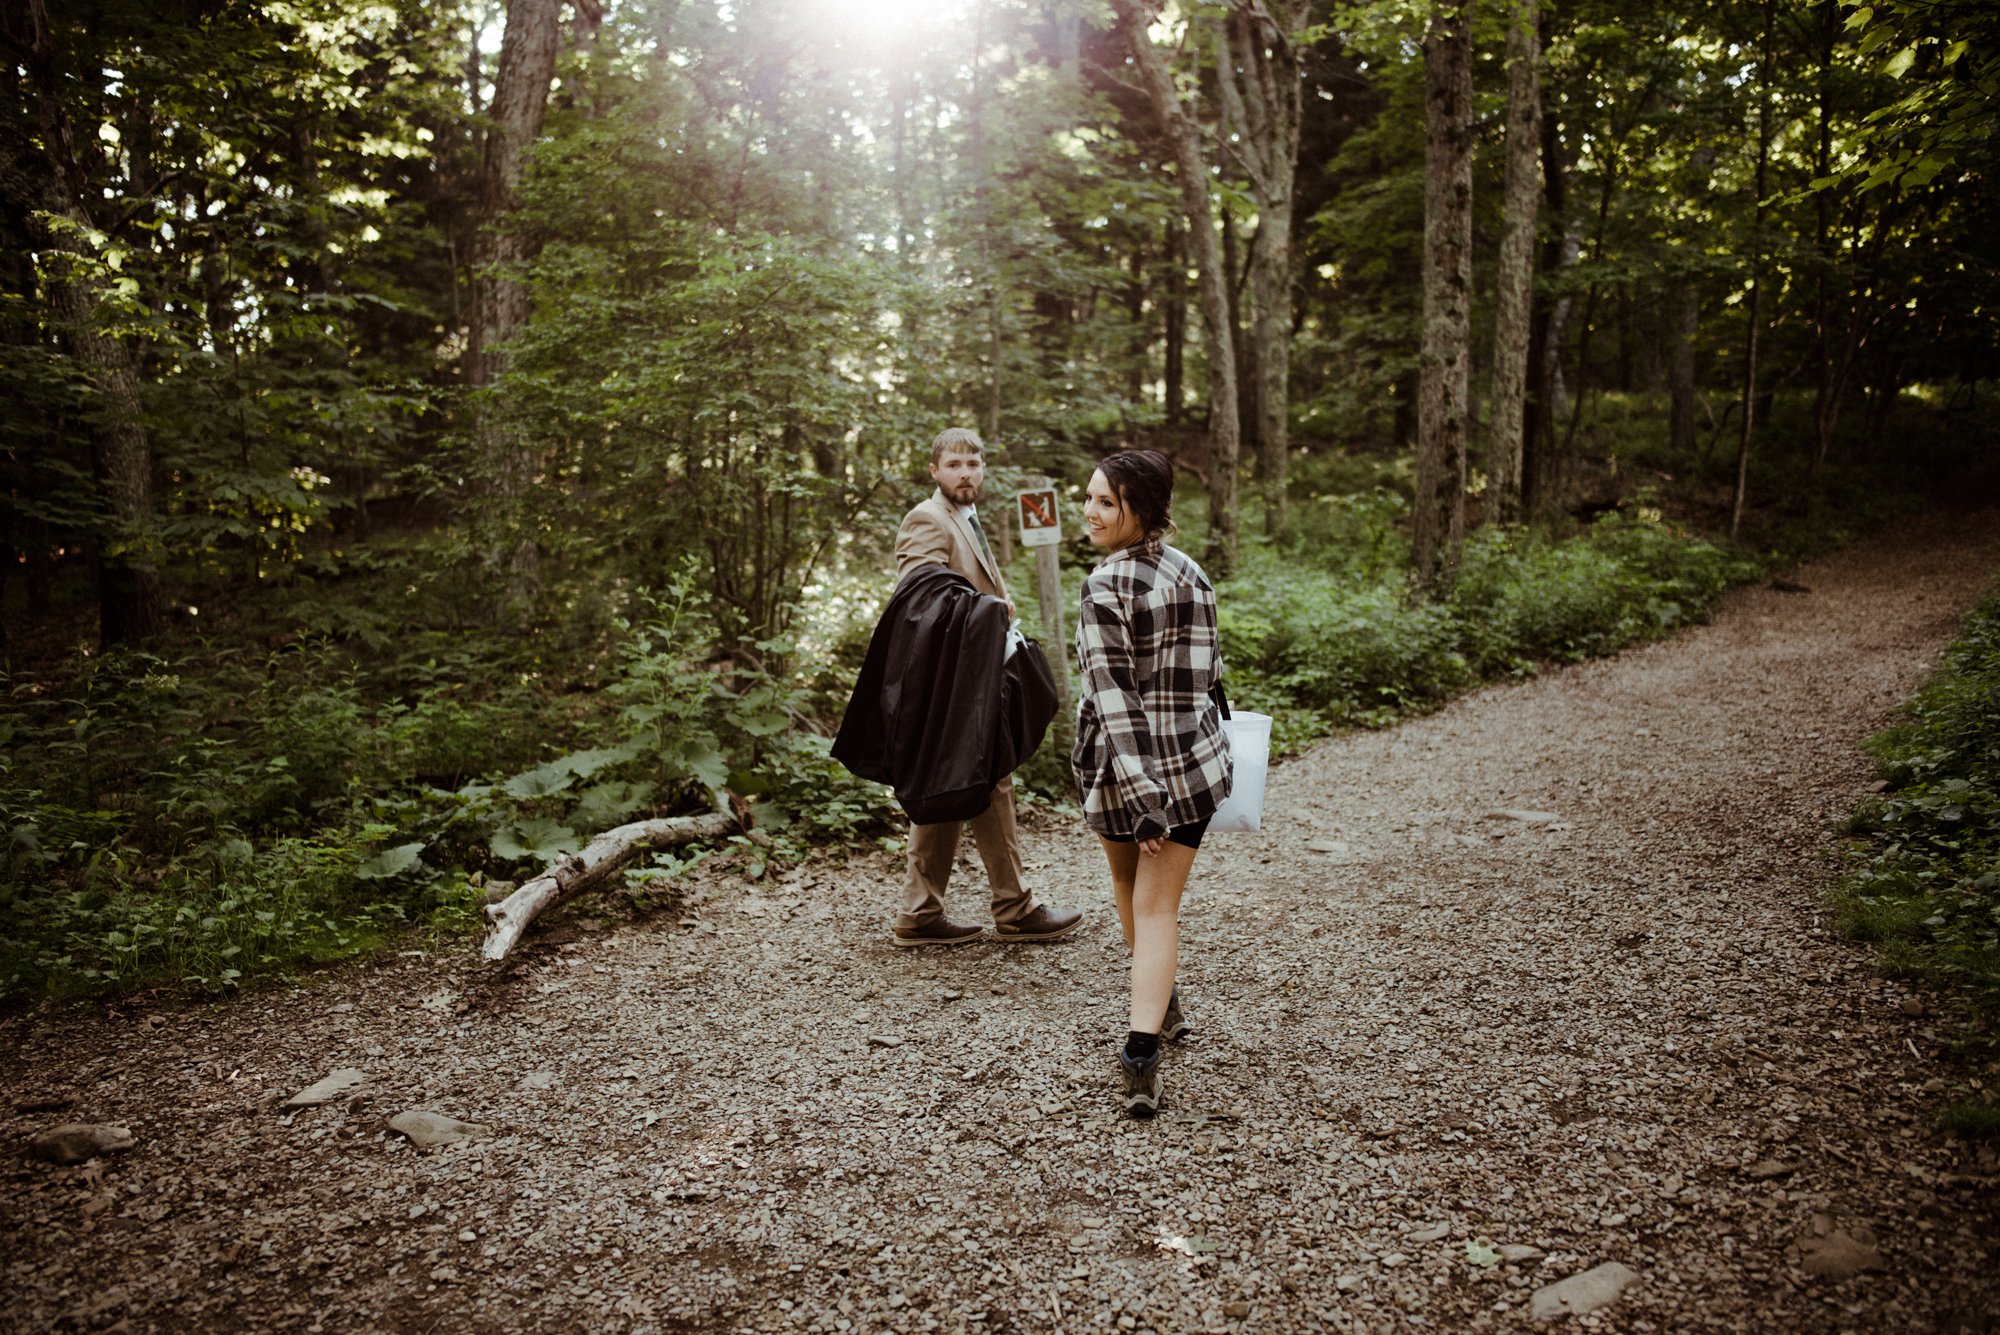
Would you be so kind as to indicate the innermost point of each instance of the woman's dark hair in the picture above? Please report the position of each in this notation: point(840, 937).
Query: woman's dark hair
point(1144, 481)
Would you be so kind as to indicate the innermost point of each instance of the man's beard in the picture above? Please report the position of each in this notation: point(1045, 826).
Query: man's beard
point(966, 493)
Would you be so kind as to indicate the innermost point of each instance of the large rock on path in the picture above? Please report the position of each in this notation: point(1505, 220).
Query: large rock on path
point(327, 1090)
point(429, 1130)
point(1594, 1288)
point(74, 1142)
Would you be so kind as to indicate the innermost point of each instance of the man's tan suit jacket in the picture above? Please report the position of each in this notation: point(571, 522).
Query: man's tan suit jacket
point(935, 533)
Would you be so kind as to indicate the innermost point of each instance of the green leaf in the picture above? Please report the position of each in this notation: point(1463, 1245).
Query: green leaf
point(1899, 64)
point(763, 725)
point(602, 805)
point(390, 862)
point(583, 764)
point(707, 764)
point(561, 772)
point(540, 837)
point(540, 781)
point(1482, 1252)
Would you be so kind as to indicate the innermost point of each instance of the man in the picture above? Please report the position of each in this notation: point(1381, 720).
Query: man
point(944, 530)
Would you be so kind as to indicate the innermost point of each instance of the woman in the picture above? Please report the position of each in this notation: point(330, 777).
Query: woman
point(1151, 761)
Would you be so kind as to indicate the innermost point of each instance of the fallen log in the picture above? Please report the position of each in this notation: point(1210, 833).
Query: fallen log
point(575, 872)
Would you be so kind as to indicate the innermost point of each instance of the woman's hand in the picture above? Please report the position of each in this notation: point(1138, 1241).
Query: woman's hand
point(1152, 847)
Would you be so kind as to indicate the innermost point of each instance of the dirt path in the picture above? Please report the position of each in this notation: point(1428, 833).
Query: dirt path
point(1622, 1035)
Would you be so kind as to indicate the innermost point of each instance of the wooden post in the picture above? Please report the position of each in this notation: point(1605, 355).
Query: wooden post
point(1041, 530)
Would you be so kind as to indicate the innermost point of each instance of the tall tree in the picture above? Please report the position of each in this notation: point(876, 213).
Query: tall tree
point(49, 179)
point(1182, 132)
point(1258, 80)
point(1522, 192)
point(499, 297)
point(1444, 388)
point(1753, 325)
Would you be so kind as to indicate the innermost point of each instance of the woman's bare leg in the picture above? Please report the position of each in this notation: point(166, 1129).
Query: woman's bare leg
point(1155, 931)
point(1124, 860)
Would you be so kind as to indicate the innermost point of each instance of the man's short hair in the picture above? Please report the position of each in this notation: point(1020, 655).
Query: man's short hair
point(956, 440)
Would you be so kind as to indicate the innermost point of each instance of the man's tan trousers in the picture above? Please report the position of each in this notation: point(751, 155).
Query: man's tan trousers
point(933, 849)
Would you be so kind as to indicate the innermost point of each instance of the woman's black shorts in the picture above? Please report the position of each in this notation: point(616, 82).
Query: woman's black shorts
point(1187, 836)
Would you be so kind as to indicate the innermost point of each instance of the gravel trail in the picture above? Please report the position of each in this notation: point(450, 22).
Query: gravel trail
point(1445, 1057)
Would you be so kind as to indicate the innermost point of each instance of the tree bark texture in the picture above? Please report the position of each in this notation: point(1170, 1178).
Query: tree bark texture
point(1540, 486)
point(1522, 195)
point(1183, 134)
point(1748, 424)
point(1258, 79)
point(49, 179)
point(572, 874)
point(499, 298)
point(1248, 390)
point(1174, 317)
point(1684, 328)
point(1444, 387)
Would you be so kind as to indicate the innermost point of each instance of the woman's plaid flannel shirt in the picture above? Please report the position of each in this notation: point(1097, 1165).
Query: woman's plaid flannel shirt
point(1150, 753)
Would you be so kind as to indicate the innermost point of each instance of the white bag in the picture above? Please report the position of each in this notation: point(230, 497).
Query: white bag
point(1249, 737)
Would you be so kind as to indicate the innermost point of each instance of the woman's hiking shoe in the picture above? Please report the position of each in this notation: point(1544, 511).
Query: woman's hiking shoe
point(1175, 1026)
point(1142, 1085)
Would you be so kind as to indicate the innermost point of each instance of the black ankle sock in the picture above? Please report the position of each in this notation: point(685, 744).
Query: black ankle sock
point(1142, 1047)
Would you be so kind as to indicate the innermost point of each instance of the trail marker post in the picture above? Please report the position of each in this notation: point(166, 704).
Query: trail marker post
point(1041, 528)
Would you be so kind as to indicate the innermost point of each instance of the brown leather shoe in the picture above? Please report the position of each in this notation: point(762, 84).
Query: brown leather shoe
point(939, 931)
point(1044, 924)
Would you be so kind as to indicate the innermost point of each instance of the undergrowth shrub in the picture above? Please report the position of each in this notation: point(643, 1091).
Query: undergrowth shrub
point(208, 919)
point(1924, 878)
point(1323, 636)
point(1524, 597)
point(1349, 654)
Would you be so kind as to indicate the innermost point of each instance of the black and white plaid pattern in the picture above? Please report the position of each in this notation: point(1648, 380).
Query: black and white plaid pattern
point(1150, 753)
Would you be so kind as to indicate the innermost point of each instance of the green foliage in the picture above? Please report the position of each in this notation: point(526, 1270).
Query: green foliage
point(1970, 1119)
point(1346, 653)
point(221, 912)
point(1943, 57)
point(1326, 634)
point(1924, 882)
point(1523, 597)
point(196, 819)
point(1047, 774)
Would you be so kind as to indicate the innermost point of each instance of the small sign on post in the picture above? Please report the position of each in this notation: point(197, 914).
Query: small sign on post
point(1039, 524)
point(1041, 529)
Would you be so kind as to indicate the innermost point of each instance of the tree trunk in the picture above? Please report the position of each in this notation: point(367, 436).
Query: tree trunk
point(1832, 381)
point(1540, 488)
point(499, 298)
point(1233, 277)
point(1069, 42)
point(1182, 133)
point(1685, 327)
point(1135, 317)
point(1443, 363)
point(1258, 77)
point(51, 179)
point(1511, 321)
point(1747, 426)
point(989, 254)
point(1174, 315)
point(587, 17)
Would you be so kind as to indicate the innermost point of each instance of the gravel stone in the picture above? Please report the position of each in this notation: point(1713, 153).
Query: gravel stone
point(1579, 1031)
